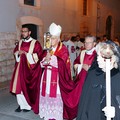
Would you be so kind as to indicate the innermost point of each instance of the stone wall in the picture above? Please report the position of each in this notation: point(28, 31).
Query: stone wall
point(7, 44)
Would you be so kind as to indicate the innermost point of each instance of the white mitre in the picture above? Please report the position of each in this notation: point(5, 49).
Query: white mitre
point(55, 30)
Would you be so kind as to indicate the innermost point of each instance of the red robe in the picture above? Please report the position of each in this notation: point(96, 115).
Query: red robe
point(62, 52)
point(71, 91)
point(65, 82)
point(26, 77)
point(88, 59)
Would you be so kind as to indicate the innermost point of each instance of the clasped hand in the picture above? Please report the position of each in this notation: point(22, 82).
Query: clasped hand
point(48, 56)
point(86, 67)
point(22, 52)
point(109, 111)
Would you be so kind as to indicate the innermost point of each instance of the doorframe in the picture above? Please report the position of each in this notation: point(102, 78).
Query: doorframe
point(30, 20)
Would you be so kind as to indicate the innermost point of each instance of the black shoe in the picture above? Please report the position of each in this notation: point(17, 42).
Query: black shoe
point(18, 109)
point(24, 110)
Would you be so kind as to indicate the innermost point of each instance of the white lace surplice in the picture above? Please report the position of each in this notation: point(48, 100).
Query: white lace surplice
point(51, 107)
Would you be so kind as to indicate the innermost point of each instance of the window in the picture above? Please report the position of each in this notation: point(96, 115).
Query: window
point(29, 2)
point(84, 7)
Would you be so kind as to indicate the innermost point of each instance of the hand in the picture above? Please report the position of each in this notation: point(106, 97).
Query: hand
point(109, 111)
point(48, 56)
point(22, 52)
point(86, 67)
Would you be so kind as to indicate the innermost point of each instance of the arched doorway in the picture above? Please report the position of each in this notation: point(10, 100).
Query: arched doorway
point(108, 26)
point(36, 26)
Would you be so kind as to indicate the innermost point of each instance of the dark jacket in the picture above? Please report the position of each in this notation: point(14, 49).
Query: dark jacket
point(93, 96)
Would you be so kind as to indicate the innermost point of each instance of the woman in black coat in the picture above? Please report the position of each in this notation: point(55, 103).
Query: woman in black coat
point(93, 98)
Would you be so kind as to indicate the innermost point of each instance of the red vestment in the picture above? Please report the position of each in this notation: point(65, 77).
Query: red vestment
point(62, 52)
point(71, 91)
point(76, 93)
point(65, 82)
point(26, 76)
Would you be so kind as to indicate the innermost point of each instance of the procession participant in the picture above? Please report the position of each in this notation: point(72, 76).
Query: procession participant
point(92, 104)
point(26, 76)
point(79, 45)
point(72, 52)
point(56, 80)
point(83, 62)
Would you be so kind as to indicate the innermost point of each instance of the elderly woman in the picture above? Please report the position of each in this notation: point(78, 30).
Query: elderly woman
point(92, 104)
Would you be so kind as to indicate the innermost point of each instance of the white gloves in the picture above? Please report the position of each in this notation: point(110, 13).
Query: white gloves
point(109, 111)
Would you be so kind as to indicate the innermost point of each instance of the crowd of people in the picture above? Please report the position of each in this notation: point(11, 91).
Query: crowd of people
point(66, 81)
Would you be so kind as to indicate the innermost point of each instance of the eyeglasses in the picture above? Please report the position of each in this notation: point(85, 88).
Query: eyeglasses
point(24, 31)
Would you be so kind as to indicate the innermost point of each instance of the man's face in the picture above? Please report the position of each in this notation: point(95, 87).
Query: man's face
point(89, 43)
point(77, 38)
point(54, 41)
point(104, 38)
point(25, 33)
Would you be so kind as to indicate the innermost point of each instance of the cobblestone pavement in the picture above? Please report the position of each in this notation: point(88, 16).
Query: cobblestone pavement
point(7, 106)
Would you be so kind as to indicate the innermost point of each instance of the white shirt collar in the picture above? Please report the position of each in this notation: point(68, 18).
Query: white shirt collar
point(30, 39)
point(89, 52)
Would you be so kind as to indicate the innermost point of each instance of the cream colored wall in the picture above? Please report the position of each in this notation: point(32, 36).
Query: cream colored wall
point(88, 22)
point(62, 12)
point(91, 25)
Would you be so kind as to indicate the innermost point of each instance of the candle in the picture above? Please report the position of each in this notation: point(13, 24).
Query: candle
point(108, 85)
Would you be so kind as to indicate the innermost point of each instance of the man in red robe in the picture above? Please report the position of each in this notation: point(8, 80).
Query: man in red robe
point(82, 64)
point(26, 76)
point(56, 64)
point(72, 91)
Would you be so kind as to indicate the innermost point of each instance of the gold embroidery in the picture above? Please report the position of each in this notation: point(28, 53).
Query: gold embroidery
point(28, 64)
point(60, 46)
point(51, 52)
point(68, 60)
point(53, 83)
point(15, 79)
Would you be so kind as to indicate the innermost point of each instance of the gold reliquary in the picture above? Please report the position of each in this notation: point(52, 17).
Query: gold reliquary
point(47, 41)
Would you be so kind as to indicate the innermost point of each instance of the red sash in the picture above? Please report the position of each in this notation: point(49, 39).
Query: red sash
point(53, 83)
point(44, 81)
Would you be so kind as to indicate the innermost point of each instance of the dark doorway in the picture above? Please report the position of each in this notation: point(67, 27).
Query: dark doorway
point(108, 26)
point(33, 29)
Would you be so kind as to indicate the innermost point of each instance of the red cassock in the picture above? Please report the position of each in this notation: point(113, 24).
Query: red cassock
point(80, 79)
point(71, 91)
point(26, 76)
point(65, 82)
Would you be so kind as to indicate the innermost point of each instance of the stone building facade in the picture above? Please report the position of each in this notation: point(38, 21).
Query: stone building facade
point(96, 17)
point(6, 58)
